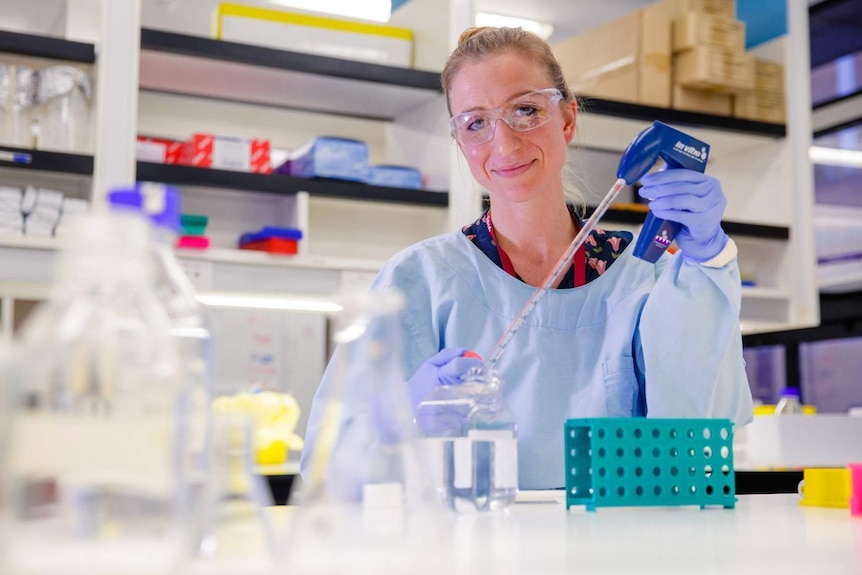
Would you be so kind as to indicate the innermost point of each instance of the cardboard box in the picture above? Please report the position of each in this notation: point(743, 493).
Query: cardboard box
point(694, 29)
point(760, 106)
point(226, 153)
point(726, 8)
point(702, 101)
point(158, 150)
point(716, 69)
point(627, 59)
point(349, 40)
point(329, 157)
point(768, 76)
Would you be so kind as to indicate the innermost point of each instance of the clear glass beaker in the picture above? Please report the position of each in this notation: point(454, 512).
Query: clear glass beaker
point(64, 110)
point(18, 85)
point(366, 503)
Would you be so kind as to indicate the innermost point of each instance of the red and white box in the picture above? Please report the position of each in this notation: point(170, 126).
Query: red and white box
point(227, 153)
point(159, 150)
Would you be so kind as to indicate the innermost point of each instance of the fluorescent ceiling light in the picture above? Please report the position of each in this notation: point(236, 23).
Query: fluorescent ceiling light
point(542, 29)
point(268, 302)
point(835, 157)
point(375, 10)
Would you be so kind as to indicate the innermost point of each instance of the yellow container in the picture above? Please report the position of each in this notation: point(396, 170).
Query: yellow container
point(295, 32)
point(770, 410)
point(826, 487)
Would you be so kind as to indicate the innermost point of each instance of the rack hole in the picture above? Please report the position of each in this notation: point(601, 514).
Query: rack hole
point(674, 490)
point(655, 432)
point(573, 452)
point(673, 433)
point(638, 452)
point(706, 433)
point(674, 452)
point(573, 433)
point(707, 470)
point(620, 452)
point(601, 451)
point(656, 471)
point(620, 432)
point(691, 451)
point(709, 489)
point(602, 472)
point(656, 452)
point(589, 433)
point(692, 471)
point(621, 471)
point(639, 490)
point(639, 471)
point(690, 434)
point(574, 470)
point(726, 489)
point(707, 451)
point(725, 452)
point(657, 490)
point(601, 432)
point(638, 433)
point(674, 471)
point(574, 490)
point(692, 489)
point(602, 491)
point(621, 491)
point(723, 433)
point(725, 470)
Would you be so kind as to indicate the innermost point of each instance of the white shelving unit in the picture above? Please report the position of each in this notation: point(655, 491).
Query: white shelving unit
point(190, 83)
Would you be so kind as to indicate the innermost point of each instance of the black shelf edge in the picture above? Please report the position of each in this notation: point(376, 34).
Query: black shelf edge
point(46, 47)
point(200, 47)
point(731, 228)
point(279, 184)
point(649, 113)
point(58, 162)
point(764, 482)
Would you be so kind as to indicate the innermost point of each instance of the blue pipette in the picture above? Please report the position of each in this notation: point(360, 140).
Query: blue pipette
point(678, 150)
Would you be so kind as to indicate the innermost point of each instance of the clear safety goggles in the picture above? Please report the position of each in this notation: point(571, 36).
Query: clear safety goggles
point(524, 113)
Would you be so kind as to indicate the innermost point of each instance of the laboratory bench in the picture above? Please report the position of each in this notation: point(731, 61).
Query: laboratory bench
point(537, 535)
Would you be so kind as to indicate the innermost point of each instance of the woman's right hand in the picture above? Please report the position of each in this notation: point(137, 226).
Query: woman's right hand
point(444, 368)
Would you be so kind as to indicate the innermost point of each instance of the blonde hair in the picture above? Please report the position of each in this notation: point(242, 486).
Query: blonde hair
point(477, 43)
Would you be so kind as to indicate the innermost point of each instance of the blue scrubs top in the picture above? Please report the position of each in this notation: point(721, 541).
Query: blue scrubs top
point(661, 340)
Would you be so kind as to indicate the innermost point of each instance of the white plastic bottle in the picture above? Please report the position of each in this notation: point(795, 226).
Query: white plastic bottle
point(190, 331)
point(789, 402)
point(93, 463)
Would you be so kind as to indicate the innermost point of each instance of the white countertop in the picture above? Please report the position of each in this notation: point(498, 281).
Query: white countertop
point(765, 534)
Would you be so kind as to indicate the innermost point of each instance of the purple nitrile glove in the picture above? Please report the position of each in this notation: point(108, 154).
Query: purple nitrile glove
point(694, 200)
point(444, 368)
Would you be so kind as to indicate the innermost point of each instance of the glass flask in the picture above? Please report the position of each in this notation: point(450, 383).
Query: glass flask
point(365, 504)
point(238, 537)
point(95, 448)
point(189, 328)
point(63, 113)
point(471, 440)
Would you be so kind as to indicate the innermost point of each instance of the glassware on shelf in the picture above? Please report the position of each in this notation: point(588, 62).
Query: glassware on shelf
point(97, 434)
point(63, 115)
point(18, 92)
point(788, 402)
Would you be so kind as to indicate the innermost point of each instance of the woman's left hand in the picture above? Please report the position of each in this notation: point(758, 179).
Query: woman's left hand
point(696, 201)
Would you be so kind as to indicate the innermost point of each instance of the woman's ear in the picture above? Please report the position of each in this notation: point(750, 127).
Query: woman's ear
point(570, 114)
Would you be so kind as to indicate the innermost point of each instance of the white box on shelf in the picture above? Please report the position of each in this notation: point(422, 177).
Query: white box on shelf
point(346, 39)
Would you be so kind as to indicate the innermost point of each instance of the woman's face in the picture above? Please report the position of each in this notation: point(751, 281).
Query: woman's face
point(513, 166)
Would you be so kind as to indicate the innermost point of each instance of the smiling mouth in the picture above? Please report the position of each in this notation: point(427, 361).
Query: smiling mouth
point(513, 170)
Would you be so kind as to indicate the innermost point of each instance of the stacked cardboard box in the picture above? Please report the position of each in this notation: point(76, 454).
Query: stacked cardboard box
point(627, 60)
point(709, 61)
point(766, 102)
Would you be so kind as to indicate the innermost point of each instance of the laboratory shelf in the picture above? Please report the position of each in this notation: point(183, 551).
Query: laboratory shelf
point(630, 111)
point(56, 162)
point(256, 258)
point(279, 184)
point(46, 47)
point(765, 293)
point(198, 66)
point(632, 216)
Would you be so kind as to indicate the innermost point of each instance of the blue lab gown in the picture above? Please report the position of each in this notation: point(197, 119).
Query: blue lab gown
point(661, 340)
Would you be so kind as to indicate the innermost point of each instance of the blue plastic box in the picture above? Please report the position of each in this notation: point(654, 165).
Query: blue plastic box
point(329, 157)
point(396, 177)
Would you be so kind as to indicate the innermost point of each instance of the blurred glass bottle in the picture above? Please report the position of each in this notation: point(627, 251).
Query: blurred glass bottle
point(788, 402)
point(471, 440)
point(189, 327)
point(95, 440)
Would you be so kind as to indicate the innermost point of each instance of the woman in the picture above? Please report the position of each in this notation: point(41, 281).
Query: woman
point(618, 337)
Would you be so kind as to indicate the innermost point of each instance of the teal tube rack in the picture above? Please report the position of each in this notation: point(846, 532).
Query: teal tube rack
point(621, 462)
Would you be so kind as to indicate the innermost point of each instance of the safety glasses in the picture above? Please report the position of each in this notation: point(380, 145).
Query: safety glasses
point(522, 114)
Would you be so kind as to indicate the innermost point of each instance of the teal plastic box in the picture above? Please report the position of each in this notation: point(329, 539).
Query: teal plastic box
point(620, 462)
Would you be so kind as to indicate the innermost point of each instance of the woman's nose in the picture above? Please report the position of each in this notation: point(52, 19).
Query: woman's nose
point(505, 138)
